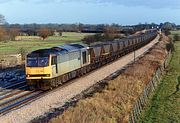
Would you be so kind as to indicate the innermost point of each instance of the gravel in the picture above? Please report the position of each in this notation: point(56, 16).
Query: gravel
point(60, 96)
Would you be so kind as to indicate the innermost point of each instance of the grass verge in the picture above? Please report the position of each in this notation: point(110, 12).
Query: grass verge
point(164, 105)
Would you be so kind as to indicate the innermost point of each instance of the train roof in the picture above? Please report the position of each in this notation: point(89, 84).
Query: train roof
point(69, 47)
point(42, 52)
point(57, 50)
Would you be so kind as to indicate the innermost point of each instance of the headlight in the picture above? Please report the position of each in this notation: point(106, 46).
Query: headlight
point(47, 75)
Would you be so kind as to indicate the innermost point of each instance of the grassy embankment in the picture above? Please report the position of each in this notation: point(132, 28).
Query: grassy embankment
point(13, 47)
point(165, 103)
point(116, 100)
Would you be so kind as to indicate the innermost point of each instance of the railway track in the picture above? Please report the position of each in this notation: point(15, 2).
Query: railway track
point(21, 98)
point(17, 101)
point(10, 93)
point(12, 85)
point(12, 89)
point(13, 94)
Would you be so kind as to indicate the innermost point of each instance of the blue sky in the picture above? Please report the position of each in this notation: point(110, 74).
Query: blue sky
point(91, 11)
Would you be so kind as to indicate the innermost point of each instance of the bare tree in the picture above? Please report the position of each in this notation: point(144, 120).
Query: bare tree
point(110, 30)
point(13, 32)
point(23, 52)
point(2, 19)
point(3, 34)
point(111, 33)
point(45, 32)
point(88, 39)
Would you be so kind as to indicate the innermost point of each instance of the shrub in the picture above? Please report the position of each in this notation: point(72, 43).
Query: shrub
point(176, 37)
point(45, 32)
point(170, 46)
point(23, 52)
point(167, 32)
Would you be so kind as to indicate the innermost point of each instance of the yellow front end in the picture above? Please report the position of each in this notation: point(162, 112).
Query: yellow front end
point(38, 73)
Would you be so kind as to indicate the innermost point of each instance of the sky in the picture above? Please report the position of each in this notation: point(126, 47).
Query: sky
point(124, 12)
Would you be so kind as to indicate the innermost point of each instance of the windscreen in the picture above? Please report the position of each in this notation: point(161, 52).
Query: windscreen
point(37, 61)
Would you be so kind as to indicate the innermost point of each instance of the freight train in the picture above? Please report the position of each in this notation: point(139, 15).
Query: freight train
point(49, 68)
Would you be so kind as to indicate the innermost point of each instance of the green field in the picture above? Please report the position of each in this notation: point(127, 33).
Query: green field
point(13, 47)
point(165, 104)
point(175, 32)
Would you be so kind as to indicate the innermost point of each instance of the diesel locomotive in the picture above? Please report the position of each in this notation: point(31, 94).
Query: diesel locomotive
point(49, 68)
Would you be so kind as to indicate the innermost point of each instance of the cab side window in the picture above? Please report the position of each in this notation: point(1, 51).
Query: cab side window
point(84, 57)
point(54, 60)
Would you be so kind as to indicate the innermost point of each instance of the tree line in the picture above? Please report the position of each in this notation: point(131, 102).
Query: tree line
point(110, 33)
point(10, 31)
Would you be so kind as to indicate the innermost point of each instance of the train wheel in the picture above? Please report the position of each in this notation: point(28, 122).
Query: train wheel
point(53, 83)
point(51, 88)
point(63, 79)
point(59, 80)
point(56, 82)
point(78, 73)
point(82, 72)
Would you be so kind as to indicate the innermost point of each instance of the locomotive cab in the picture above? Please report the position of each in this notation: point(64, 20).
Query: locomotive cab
point(37, 67)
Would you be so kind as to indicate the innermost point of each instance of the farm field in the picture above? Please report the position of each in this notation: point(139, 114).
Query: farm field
point(175, 32)
point(30, 44)
point(165, 103)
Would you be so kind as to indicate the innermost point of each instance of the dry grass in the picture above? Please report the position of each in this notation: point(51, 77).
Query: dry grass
point(164, 104)
point(114, 103)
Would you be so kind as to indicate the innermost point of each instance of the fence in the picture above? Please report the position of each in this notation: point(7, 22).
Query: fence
point(143, 98)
